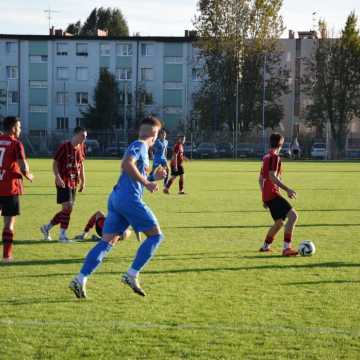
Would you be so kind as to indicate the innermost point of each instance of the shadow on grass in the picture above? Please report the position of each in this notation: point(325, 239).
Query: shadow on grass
point(261, 211)
point(32, 301)
point(42, 262)
point(324, 282)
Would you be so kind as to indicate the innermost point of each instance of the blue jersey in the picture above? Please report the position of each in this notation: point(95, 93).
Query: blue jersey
point(160, 148)
point(127, 187)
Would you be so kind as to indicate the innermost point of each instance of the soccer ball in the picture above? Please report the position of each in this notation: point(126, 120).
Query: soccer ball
point(307, 248)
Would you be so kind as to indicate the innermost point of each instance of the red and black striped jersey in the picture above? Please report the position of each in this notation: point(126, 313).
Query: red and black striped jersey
point(271, 163)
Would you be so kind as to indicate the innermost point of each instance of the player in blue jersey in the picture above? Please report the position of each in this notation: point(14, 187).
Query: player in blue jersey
point(126, 208)
point(160, 153)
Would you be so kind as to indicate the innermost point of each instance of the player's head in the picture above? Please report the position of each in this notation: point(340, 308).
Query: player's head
point(12, 126)
point(80, 135)
point(149, 129)
point(162, 134)
point(181, 139)
point(276, 141)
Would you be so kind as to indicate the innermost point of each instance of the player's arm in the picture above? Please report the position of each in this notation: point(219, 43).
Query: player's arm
point(291, 193)
point(25, 169)
point(129, 166)
point(82, 177)
point(261, 182)
point(58, 180)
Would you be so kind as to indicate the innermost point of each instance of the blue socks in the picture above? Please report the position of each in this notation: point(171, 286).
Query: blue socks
point(95, 257)
point(146, 251)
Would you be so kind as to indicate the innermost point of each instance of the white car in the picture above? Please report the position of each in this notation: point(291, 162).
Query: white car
point(318, 151)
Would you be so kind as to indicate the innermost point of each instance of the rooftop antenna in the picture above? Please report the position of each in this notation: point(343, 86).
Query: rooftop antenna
point(49, 13)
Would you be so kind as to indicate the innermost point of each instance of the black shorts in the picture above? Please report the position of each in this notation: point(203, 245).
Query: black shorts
point(180, 171)
point(279, 208)
point(10, 205)
point(65, 195)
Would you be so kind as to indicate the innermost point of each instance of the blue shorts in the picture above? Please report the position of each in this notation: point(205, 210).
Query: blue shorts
point(157, 162)
point(122, 213)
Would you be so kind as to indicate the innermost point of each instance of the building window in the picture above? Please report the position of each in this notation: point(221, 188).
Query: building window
point(82, 98)
point(123, 74)
point(61, 49)
point(38, 108)
point(11, 47)
point(147, 98)
point(82, 73)
point(35, 84)
point(38, 58)
point(81, 49)
point(147, 74)
point(105, 49)
point(62, 123)
point(62, 73)
point(124, 50)
point(13, 97)
point(12, 72)
point(62, 98)
point(79, 121)
point(196, 74)
point(147, 50)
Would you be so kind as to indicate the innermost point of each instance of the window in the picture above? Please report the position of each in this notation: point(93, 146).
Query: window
point(124, 50)
point(38, 108)
point(38, 58)
point(79, 121)
point(62, 73)
point(82, 73)
point(123, 74)
point(12, 72)
point(38, 84)
point(81, 49)
point(13, 97)
point(147, 98)
point(62, 98)
point(147, 74)
point(61, 49)
point(147, 50)
point(82, 98)
point(10, 47)
point(105, 49)
point(196, 74)
point(62, 123)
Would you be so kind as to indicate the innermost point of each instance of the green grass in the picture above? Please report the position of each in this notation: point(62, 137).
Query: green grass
point(211, 295)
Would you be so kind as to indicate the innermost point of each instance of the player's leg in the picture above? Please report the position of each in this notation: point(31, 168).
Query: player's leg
point(64, 221)
point(8, 238)
point(292, 218)
point(166, 167)
point(89, 225)
point(271, 234)
point(144, 220)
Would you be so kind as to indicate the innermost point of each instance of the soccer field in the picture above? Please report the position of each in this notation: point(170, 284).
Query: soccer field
point(211, 295)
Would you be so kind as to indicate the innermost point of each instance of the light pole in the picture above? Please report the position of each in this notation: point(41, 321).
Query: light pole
point(263, 104)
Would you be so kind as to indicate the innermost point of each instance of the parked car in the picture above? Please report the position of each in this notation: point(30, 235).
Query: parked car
point(245, 150)
point(286, 150)
point(318, 151)
point(225, 150)
point(117, 150)
point(188, 149)
point(206, 150)
point(92, 146)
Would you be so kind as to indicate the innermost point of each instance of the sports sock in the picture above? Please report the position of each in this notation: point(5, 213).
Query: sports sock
point(268, 241)
point(65, 218)
point(63, 232)
point(90, 224)
point(169, 183)
point(94, 257)
point(181, 184)
point(7, 238)
point(287, 240)
point(145, 252)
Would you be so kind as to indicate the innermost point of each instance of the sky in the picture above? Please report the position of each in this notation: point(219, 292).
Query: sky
point(157, 17)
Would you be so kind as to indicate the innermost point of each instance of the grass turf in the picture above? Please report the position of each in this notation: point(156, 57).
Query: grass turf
point(211, 295)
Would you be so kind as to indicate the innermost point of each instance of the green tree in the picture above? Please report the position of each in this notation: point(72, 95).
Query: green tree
point(234, 38)
point(108, 19)
point(333, 84)
point(105, 114)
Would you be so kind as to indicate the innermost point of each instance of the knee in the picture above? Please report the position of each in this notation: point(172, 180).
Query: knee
point(293, 216)
point(279, 224)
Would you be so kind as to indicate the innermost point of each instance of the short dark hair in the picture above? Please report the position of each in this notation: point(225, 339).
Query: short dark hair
point(79, 129)
point(9, 122)
point(275, 140)
point(152, 121)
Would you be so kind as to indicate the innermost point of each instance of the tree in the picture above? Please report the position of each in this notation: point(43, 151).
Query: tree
point(234, 38)
point(106, 112)
point(333, 82)
point(111, 20)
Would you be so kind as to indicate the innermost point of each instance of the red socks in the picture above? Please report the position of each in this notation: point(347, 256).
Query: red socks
point(7, 237)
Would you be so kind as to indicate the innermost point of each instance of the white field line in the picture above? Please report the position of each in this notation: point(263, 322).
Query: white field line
point(141, 326)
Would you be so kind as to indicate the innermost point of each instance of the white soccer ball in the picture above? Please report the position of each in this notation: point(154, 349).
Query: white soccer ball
point(307, 248)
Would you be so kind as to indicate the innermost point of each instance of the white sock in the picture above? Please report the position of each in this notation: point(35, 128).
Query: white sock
point(266, 246)
point(81, 278)
point(132, 272)
point(63, 232)
point(49, 226)
point(287, 245)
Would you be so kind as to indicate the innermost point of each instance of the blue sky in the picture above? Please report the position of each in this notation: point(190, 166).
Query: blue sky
point(156, 17)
